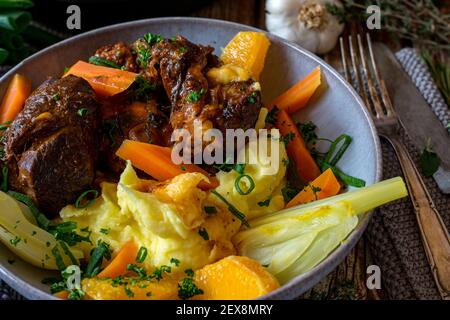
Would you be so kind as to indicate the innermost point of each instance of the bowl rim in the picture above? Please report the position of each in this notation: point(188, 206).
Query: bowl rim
point(291, 289)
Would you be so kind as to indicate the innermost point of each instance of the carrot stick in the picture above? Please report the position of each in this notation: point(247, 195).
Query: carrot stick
point(307, 168)
point(18, 91)
point(298, 95)
point(156, 161)
point(324, 186)
point(64, 295)
point(118, 265)
point(105, 81)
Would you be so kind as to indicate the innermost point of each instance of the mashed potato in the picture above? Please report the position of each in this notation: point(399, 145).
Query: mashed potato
point(166, 221)
point(267, 184)
point(166, 217)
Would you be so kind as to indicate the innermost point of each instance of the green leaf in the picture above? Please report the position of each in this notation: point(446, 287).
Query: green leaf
point(429, 161)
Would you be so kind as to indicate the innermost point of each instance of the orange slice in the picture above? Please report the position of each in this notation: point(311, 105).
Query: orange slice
point(103, 289)
point(247, 50)
point(234, 277)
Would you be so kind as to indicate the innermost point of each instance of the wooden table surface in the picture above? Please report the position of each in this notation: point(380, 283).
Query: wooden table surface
point(348, 280)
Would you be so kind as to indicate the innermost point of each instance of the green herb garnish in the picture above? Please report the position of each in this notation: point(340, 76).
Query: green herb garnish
point(195, 96)
point(82, 201)
point(82, 112)
point(272, 115)
point(102, 251)
point(288, 138)
point(189, 272)
point(175, 262)
point(237, 184)
point(103, 62)
point(289, 192)
point(141, 255)
point(203, 233)
point(232, 209)
point(153, 38)
point(15, 241)
point(187, 289)
point(210, 209)
point(429, 160)
point(252, 97)
point(265, 203)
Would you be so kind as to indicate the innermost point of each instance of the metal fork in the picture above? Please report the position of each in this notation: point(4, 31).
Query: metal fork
point(372, 88)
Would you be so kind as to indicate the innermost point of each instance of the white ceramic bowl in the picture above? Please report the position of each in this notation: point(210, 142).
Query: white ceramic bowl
point(336, 110)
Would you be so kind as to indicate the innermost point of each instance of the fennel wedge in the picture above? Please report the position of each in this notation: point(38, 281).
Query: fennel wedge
point(294, 240)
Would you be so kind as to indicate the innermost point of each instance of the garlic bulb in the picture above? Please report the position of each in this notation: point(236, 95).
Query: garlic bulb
point(306, 22)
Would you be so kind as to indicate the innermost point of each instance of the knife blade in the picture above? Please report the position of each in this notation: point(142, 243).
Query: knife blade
point(416, 116)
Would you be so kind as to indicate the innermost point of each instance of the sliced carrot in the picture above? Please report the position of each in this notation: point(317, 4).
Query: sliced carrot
point(62, 294)
point(298, 95)
point(297, 150)
point(14, 99)
point(105, 81)
point(327, 185)
point(118, 265)
point(156, 161)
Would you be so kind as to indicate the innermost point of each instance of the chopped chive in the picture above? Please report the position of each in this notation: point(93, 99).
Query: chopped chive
point(83, 196)
point(238, 186)
point(232, 208)
point(103, 62)
point(210, 209)
point(141, 255)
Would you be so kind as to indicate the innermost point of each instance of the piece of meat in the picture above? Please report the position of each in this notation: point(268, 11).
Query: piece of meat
point(183, 66)
point(119, 53)
point(51, 147)
point(240, 105)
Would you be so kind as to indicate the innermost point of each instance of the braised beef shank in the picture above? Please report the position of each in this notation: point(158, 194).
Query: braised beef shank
point(51, 148)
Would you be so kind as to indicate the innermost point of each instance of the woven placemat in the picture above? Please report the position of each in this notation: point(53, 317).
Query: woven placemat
point(394, 238)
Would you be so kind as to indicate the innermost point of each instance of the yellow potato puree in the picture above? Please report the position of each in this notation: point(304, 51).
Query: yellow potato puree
point(166, 217)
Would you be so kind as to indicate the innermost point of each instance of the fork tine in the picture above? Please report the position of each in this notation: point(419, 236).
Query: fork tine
point(379, 112)
point(382, 86)
point(359, 82)
point(344, 60)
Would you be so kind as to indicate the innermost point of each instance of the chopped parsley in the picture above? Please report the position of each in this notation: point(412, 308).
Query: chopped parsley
point(139, 270)
point(102, 251)
point(105, 230)
point(272, 115)
point(203, 233)
point(175, 262)
point(142, 89)
point(210, 209)
point(15, 241)
point(143, 56)
point(82, 112)
point(183, 168)
point(129, 292)
point(195, 96)
point(265, 203)
point(187, 289)
point(182, 49)
point(289, 192)
point(56, 96)
point(252, 97)
point(288, 138)
point(314, 189)
point(152, 38)
point(308, 131)
point(189, 272)
point(158, 273)
point(99, 61)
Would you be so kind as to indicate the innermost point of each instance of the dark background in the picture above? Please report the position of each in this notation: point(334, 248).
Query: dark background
point(98, 13)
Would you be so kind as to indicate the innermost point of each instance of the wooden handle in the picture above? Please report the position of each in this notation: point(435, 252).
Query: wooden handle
point(434, 234)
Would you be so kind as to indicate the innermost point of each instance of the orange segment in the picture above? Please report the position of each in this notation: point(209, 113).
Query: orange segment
point(102, 289)
point(247, 50)
point(234, 277)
